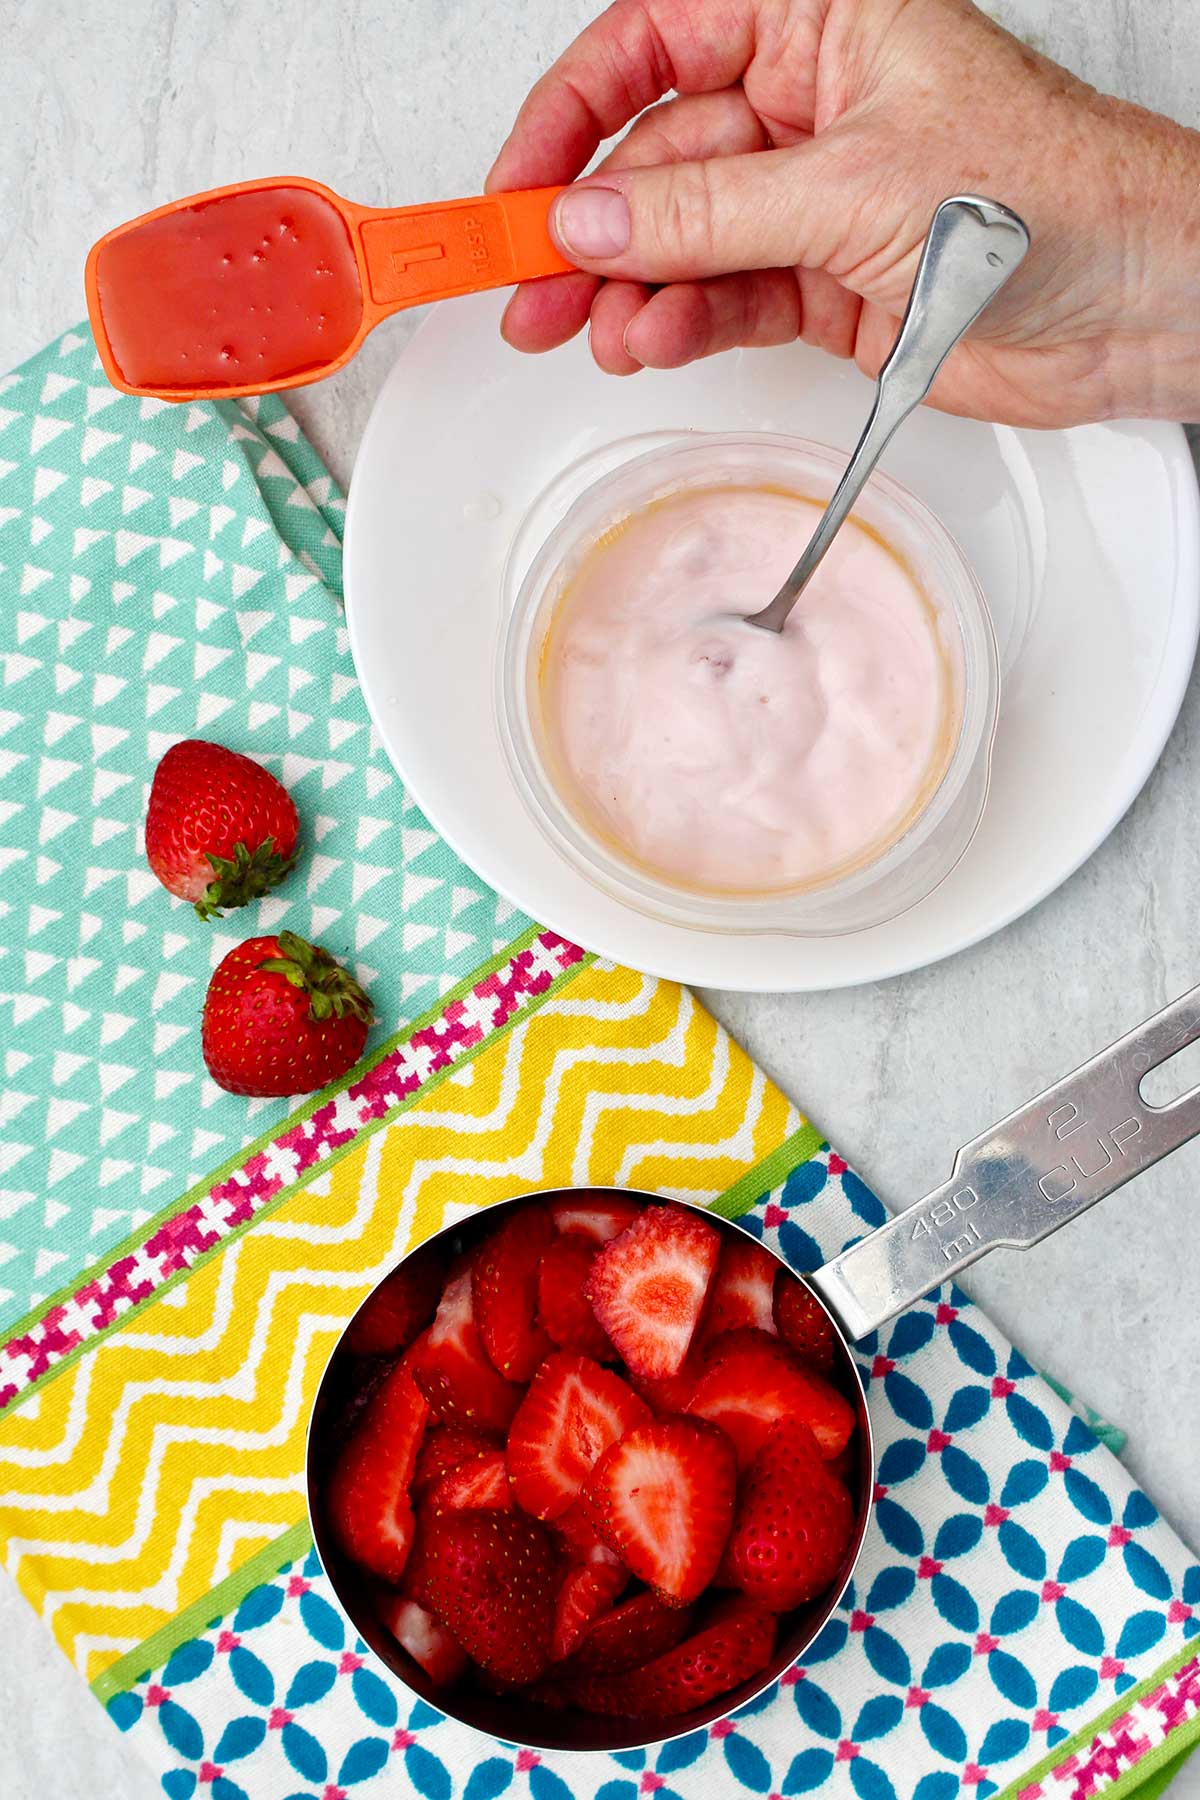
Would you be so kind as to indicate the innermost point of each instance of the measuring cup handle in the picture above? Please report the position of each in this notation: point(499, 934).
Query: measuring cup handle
point(1043, 1165)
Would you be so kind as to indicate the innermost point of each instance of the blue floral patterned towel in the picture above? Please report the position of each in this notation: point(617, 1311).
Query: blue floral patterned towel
point(1022, 1619)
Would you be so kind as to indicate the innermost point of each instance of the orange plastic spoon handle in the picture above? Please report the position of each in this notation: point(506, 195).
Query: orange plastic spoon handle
point(406, 256)
point(413, 254)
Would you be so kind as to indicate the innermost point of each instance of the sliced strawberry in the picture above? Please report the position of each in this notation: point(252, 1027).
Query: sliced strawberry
point(370, 1511)
point(752, 1380)
point(728, 1606)
point(742, 1290)
point(506, 1293)
point(480, 1485)
point(363, 1381)
point(794, 1522)
point(663, 1499)
point(425, 1638)
point(803, 1322)
point(630, 1635)
point(578, 1541)
point(390, 1318)
point(578, 1536)
point(444, 1448)
point(419, 1567)
point(845, 1465)
point(547, 1693)
point(416, 1350)
point(598, 1216)
point(367, 1498)
point(573, 1411)
point(725, 1577)
point(564, 1311)
point(671, 1393)
point(492, 1580)
point(603, 1557)
point(648, 1287)
point(587, 1593)
point(453, 1370)
point(699, 1670)
point(397, 1416)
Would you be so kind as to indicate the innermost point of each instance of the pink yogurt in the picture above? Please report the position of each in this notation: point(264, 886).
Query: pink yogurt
point(727, 758)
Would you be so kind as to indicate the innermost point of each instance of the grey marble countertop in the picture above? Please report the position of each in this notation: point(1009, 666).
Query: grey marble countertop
point(112, 107)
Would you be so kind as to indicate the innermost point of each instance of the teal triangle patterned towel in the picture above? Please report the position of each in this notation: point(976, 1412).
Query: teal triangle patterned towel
point(1023, 1623)
point(166, 573)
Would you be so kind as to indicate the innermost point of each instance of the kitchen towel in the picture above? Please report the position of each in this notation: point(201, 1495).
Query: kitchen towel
point(177, 1262)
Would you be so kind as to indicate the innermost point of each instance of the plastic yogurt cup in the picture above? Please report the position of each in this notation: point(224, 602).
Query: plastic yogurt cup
point(625, 834)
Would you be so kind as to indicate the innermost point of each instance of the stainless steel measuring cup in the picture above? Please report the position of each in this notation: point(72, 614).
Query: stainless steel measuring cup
point(1013, 1185)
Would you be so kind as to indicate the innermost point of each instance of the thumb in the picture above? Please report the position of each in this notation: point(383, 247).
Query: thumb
point(683, 221)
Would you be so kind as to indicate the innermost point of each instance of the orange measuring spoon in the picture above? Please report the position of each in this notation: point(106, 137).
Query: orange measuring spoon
point(270, 284)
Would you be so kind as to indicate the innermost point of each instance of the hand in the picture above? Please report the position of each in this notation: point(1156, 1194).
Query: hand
point(786, 193)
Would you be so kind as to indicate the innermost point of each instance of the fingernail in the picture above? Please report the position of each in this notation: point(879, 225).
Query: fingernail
point(592, 221)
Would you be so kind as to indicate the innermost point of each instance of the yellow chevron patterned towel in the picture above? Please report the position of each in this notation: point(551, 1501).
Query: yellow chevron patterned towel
point(178, 1263)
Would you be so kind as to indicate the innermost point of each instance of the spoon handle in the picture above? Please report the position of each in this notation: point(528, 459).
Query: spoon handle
point(972, 248)
point(415, 254)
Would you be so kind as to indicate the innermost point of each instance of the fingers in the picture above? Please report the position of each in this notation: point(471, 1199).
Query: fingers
point(692, 229)
point(829, 313)
point(622, 63)
point(543, 314)
point(688, 129)
point(616, 305)
point(692, 319)
point(682, 221)
point(688, 320)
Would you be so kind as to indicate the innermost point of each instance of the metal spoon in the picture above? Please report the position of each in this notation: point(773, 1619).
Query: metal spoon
point(972, 248)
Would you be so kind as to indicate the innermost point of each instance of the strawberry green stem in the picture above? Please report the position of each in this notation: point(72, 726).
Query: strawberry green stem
point(246, 876)
point(333, 991)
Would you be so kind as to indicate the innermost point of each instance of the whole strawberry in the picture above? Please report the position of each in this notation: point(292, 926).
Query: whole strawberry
point(493, 1578)
point(803, 1323)
point(794, 1522)
point(282, 1017)
point(737, 1644)
point(220, 830)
